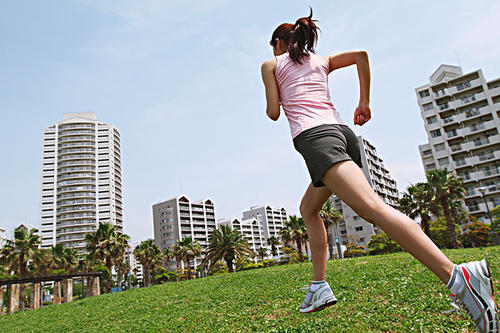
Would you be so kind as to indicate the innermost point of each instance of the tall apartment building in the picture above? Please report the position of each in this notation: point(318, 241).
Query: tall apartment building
point(461, 117)
point(354, 228)
point(249, 228)
point(271, 220)
point(81, 179)
point(179, 217)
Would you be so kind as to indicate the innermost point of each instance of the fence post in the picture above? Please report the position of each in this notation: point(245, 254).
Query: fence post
point(13, 298)
point(68, 290)
point(56, 293)
point(35, 296)
point(95, 286)
point(2, 290)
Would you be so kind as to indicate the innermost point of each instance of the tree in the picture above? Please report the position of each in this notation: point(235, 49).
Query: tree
point(298, 232)
point(189, 249)
point(286, 236)
point(262, 252)
point(416, 202)
point(495, 224)
point(382, 243)
point(446, 187)
point(331, 217)
point(273, 242)
point(440, 234)
point(228, 244)
point(147, 253)
point(17, 253)
point(107, 243)
point(475, 234)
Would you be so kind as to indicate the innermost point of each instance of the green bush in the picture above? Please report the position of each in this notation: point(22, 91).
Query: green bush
point(354, 250)
point(382, 243)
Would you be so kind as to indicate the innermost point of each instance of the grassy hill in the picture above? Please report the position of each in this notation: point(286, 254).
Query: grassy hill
point(388, 293)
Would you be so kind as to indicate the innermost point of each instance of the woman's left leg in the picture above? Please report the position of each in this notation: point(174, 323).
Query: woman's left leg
point(310, 206)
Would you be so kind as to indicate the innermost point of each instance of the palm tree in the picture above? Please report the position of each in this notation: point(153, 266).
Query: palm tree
point(190, 250)
point(446, 187)
point(262, 252)
point(177, 252)
point(17, 254)
point(298, 232)
point(144, 253)
point(168, 254)
point(107, 243)
point(63, 258)
point(416, 201)
point(273, 242)
point(228, 244)
point(331, 217)
point(286, 235)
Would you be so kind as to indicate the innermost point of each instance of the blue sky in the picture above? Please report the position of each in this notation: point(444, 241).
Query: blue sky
point(181, 82)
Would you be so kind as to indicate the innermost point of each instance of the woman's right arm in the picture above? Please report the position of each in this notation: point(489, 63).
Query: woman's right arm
point(360, 58)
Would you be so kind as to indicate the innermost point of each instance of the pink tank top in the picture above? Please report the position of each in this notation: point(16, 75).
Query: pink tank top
point(304, 93)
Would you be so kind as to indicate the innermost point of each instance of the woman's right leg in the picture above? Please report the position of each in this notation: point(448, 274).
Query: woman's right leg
point(348, 182)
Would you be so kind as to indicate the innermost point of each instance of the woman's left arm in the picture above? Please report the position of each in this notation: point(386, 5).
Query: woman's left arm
point(272, 95)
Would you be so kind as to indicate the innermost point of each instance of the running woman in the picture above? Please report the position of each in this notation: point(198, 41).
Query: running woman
point(297, 78)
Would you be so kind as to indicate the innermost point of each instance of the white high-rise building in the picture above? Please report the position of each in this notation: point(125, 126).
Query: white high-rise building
point(271, 221)
point(250, 229)
point(354, 228)
point(81, 179)
point(461, 114)
point(135, 266)
point(179, 217)
point(3, 238)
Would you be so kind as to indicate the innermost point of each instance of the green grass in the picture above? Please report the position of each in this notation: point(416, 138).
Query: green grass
point(388, 293)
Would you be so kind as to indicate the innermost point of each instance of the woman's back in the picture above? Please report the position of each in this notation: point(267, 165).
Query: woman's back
point(304, 94)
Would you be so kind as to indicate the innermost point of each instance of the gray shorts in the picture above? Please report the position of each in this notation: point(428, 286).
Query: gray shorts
point(324, 145)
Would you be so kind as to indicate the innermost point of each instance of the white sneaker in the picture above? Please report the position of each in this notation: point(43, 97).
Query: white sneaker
point(476, 295)
point(322, 298)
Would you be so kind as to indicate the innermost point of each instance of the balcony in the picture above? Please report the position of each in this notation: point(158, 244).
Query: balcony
point(77, 138)
point(65, 133)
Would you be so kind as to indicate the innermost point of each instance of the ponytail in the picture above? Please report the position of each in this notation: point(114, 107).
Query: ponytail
point(303, 37)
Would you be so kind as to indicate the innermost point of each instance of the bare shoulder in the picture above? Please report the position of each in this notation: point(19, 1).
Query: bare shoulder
point(269, 65)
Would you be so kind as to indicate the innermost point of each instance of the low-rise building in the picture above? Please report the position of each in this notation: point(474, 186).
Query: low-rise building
point(271, 221)
point(249, 228)
point(179, 217)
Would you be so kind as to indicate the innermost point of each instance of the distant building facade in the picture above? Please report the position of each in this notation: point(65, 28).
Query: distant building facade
point(81, 180)
point(249, 228)
point(271, 221)
point(3, 237)
point(179, 217)
point(461, 114)
point(136, 268)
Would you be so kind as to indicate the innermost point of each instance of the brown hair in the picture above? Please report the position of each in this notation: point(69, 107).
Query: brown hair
point(300, 37)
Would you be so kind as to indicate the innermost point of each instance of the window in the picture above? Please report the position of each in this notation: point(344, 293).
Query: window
point(436, 133)
point(361, 240)
point(424, 93)
point(359, 229)
point(431, 120)
point(443, 161)
point(439, 146)
point(428, 106)
point(343, 232)
point(463, 85)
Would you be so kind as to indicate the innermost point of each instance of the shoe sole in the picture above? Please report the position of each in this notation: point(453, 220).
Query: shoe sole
point(322, 307)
